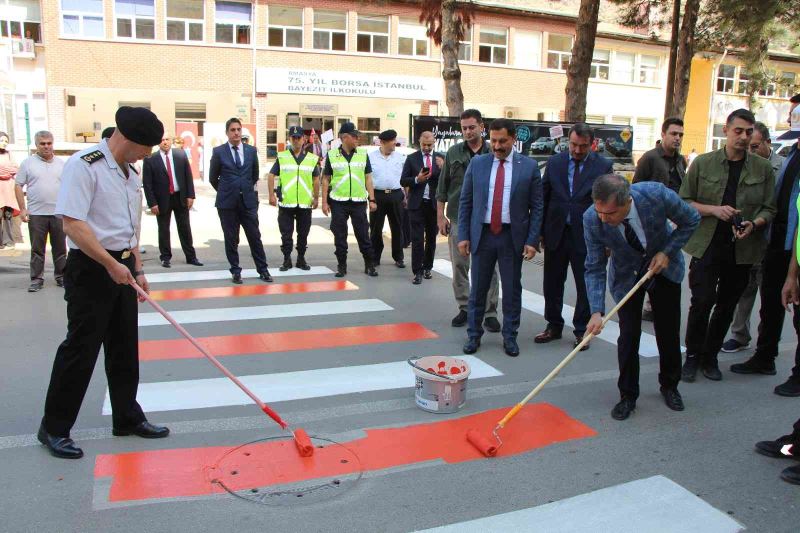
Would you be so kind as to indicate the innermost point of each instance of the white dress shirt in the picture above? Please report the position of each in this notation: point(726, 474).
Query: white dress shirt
point(168, 155)
point(425, 157)
point(505, 215)
point(386, 171)
point(239, 149)
point(636, 223)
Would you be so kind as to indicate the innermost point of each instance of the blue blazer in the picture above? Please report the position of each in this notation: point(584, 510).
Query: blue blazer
point(525, 204)
point(657, 205)
point(558, 202)
point(230, 181)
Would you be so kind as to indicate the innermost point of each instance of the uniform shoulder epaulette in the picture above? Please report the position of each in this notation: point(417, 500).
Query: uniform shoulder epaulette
point(93, 157)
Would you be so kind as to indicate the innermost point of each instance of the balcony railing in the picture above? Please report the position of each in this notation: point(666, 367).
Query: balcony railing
point(24, 48)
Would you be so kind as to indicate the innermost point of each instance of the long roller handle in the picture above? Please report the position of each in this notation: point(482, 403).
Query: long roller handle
point(573, 353)
point(264, 407)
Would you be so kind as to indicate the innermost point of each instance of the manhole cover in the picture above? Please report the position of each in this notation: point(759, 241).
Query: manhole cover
point(271, 472)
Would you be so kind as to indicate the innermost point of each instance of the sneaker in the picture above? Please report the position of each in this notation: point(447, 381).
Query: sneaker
point(782, 448)
point(689, 371)
point(36, 286)
point(754, 365)
point(791, 388)
point(732, 346)
point(459, 320)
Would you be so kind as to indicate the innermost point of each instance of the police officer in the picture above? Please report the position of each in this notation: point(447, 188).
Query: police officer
point(348, 179)
point(102, 264)
point(298, 172)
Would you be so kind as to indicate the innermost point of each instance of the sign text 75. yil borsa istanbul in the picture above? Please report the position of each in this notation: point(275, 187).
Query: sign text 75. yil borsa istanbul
point(339, 83)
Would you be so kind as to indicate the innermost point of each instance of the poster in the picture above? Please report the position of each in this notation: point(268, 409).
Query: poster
point(191, 144)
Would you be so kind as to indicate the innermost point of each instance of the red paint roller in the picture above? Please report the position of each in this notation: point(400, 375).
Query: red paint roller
point(486, 445)
point(301, 438)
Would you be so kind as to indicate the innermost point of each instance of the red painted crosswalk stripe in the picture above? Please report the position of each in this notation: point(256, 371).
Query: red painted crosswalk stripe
point(253, 290)
point(187, 472)
point(284, 341)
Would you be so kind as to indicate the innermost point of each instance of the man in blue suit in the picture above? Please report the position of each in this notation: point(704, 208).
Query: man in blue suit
point(499, 219)
point(233, 172)
point(567, 186)
point(634, 223)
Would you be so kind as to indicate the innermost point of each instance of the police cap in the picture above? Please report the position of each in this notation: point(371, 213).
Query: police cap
point(349, 128)
point(296, 131)
point(139, 125)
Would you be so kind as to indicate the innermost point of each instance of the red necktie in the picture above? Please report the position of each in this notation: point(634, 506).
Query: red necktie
point(428, 161)
point(169, 174)
point(496, 224)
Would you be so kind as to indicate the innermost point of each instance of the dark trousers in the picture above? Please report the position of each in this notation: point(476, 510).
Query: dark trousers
point(665, 297)
point(423, 236)
point(405, 225)
point(232, 220)
point(566, 253)
point(99, 312)
point(495, 250)
point(388, 206)
point(717, 283)
point(772, 314)
point(40, 226)
point(288, 217)
point(164, 219)
point(357, 213)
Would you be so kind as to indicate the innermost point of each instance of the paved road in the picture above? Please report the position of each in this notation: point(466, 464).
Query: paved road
point(331, 358)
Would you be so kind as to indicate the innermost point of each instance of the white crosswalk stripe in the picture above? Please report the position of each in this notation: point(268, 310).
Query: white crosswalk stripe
point(208, 275)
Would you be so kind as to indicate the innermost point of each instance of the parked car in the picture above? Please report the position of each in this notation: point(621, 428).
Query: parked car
point(543, 145)
point(617, 148)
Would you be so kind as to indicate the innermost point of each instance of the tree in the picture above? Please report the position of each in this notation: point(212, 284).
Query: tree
point(580, 63)
point(683, 58)
point(446, 22)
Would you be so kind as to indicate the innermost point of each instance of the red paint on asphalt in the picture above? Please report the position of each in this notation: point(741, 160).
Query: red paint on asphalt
point(253, 290)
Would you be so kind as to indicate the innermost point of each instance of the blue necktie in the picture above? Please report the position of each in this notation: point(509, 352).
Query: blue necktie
point(236, 159)
point(632, 238)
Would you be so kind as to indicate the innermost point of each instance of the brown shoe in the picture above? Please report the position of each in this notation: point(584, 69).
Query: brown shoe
point(546, 336)
point(578, 341)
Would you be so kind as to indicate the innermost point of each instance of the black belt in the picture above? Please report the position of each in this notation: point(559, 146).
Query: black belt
point(386, 191)
point(120, 254)
point(488, 225)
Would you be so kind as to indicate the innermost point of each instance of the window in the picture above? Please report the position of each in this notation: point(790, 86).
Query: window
point(726, 76)
point(373, 34)
point(26, 24)
point(786, 87)
point(330, 30)
point(648, 69)
point(369, 128)
point(411, 39)
point(272, 136)
point(620, 121)
point(493, 46)
point(623, 67)
point(145, 105)
point(744, 81)
point(185, 20)
point(135, 19)
point(645, 134)
point(233, 22)
point(527, 49)
point(771, 84)
point(559, 51)
point(191, 112)
point(285, 27)
point(83, 18)
point(601, 60)
point(465, 47)
point(718, 138)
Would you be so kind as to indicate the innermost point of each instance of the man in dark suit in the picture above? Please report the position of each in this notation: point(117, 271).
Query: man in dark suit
point(233, 172)
point(499, 220)
point(421, 177)
point(567, 186)
point(168, 188)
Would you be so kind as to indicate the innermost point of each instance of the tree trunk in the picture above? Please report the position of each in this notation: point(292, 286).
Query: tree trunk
point(451, 73)
point(683, 63)
point(673, 56)
point(581, 62)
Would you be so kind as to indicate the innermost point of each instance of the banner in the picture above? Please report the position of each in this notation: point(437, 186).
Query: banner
point(187, 133)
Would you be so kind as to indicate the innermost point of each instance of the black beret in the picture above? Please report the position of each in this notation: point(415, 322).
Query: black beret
point(139, 125)
point(388, 135)
point(108, 132)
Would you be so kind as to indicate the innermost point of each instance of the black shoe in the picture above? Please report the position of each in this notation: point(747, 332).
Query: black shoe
point(791, 475)
point(623, 409)
point(546, 336)
point(460, 320)
point(62, 447)
point(772, 448)
point(287, 264)
point(145, 429)
point(301, 263)
point(400, 264)
point(237, 278)
point(511, 347)
point(672, 398)
point(341, 270)
point(711, 371)
point(37, 285)
point(689, 370)
point(417, 279)
point(491, 324)
point(60, 282)
point(578, 340)
point(165, 263)
point(195, 262)
point(755, 365)
point(369, 270)
point(791, 388)
point(472, 345)
point(264, 276)
point(427, 274)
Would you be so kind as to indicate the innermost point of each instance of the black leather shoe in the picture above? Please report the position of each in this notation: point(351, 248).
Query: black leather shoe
point(62, 447)
point(341, 270)
point(460, 320)
point(301, 263)
point(711, 371)
point(370, 271)
point(400, 264)
point(195, 262)
point(511, 347)
point(145, 429)
point(623, 409)
point(689, 370)
point(546, 336)
point(417, 279)
point(38, 285)
point(264, 276)
point(790, 388)
point(755, 365)
point(491, 324)
point(60, 282)
point(578, 340)
point(237, 278)
point(672, 398)
point(427, 274)
point(287, 264)
point(166, 264)
point(772, 448)
point(472, 345)
point(791, 475)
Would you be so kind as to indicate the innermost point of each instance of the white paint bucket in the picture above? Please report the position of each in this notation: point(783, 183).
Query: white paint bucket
point(441, 383)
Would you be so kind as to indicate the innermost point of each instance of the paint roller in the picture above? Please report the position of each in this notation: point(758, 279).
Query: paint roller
point(489, 447)
point(301, 438)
